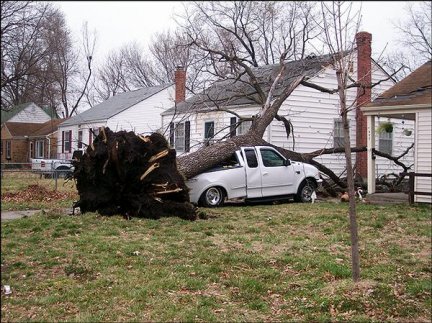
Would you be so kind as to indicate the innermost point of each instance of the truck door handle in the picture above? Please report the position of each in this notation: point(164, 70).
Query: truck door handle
point(265, 173)
point(297, 171)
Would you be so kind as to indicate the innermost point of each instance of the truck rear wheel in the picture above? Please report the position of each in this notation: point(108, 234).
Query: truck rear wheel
point(212, 197)
point(304, 193)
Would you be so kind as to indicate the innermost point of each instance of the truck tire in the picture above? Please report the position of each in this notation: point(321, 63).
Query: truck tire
point(212, 197)
point(304, 193)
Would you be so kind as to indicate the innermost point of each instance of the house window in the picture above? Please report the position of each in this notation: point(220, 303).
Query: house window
point(80, 138)
point(233, 126)
point(338, 134)
point(180, 136)
point(237, 128)
point(385, 143)
point(39, 149)
point(244, 127)
point(8, 149)
point(209, 130)
point(31, 152)
point(66, 141)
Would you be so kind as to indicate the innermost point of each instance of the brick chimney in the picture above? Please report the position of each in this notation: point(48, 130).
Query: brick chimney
point(180, 84)
point(364, 76)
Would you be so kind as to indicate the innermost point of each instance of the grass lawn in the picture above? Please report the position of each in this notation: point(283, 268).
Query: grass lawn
point(286, 262)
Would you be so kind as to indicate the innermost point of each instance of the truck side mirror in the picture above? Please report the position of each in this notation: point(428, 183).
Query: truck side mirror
point(286, 162)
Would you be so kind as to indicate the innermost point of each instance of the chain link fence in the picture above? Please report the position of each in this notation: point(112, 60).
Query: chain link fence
point(22, 175)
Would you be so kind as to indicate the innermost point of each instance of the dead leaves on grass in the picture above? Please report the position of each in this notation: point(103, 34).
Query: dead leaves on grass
point(36, 193)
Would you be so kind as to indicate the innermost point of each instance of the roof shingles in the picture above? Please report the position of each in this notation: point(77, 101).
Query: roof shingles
point(414, 89)
point(233, 92)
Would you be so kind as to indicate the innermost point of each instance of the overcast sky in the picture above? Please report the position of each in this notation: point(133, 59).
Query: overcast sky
point(121, 22)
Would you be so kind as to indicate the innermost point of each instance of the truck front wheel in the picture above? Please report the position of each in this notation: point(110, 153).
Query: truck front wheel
point(212, 197)
point(304, 193)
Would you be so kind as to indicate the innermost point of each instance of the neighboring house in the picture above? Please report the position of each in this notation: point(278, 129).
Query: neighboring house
point(314, 114)
point(137, 111)
point(410, 99)
point(21, 141)
point(27, 112)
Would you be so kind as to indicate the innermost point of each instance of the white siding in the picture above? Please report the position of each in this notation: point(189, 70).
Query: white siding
point(86, 137)
point(423, 154)
point(32, 114)
point(144, 117)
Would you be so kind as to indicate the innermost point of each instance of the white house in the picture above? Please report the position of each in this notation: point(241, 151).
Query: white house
point(313, 114)
point(410, 99)
point(137, 111)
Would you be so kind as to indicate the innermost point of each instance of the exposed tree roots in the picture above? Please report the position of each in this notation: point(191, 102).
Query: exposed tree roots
point(136, 176)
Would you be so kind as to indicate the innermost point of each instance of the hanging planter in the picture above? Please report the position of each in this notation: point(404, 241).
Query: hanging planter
point(407, 132)
point(385, 127)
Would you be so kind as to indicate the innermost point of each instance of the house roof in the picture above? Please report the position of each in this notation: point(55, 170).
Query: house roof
point(414, 89)
point(114, 105)
point(239, 92)
point(20, 129)
point(48, 128)
point(7, 115)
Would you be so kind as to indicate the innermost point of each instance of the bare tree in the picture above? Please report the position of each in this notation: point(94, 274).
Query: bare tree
point(170, 50)
point(339, 28)
point(125, 69)
point(39, 60)
point(73, 80)
point(414, 38)
point(22, 48)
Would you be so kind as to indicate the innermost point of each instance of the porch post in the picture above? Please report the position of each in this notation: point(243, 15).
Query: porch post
point(370, 157)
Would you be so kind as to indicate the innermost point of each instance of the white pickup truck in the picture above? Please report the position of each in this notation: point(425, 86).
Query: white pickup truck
point(255, 173)
point(52, 167)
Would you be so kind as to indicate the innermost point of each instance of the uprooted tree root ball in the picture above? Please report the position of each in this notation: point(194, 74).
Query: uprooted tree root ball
point(136, 176)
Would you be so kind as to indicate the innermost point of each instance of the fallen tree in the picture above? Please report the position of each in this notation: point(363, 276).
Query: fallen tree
point(136, 176)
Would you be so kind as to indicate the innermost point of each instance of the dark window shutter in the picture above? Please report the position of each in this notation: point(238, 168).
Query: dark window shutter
point(187, 136)
point(233, 122)
point(63, 138)
point(171, 134)
point(70, 140)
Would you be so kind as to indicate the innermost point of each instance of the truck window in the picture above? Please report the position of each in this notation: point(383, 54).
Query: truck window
point(271, 158)
point(251, 158)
